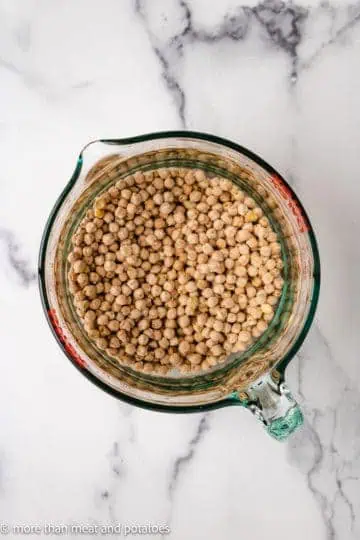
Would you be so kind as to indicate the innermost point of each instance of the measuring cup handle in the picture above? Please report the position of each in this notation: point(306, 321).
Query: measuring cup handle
point(272, 403)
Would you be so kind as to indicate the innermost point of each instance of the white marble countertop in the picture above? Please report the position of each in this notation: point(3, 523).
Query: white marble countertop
point(281, 78)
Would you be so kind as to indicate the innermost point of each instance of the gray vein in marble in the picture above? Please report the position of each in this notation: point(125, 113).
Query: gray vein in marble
point(339, 482)
point(18, 264)
point(233, 26)
point(308, 439)
point(105, 495)
point(108, 495)
point(347, 501)
point(164, 55)
point(320, 497)
point(182, 461)
point(28, 78)
point(185, 459)
point(116, 466)
point(173, 86)
point(116, 461)
point(311, 438)
point(339, 33)
point(282, 24)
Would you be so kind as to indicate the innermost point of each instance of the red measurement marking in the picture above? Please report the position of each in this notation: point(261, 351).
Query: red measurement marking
point(68, 347)
point(291, 202)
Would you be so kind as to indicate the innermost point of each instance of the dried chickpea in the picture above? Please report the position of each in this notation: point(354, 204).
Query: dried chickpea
point(171, 269)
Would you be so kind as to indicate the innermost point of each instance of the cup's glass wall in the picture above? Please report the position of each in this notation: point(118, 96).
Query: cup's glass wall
point(103, 163)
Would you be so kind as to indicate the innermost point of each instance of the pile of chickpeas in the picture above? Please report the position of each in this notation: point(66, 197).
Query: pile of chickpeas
point(174, 270)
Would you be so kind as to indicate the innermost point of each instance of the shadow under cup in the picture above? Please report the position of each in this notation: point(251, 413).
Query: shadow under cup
point(104, 162)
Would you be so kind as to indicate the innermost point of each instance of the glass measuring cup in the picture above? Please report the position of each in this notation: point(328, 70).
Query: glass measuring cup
point(254, 378)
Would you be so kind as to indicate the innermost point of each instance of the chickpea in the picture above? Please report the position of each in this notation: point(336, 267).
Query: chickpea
point(184, 321)
point(243, 236)
point(80, 267)
point(278, 283)
point(244, 337)
point(267, 278)
point(169, 269)
point(217, 350)
point(266, 308)
point(195, 359)
point(212, 301)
